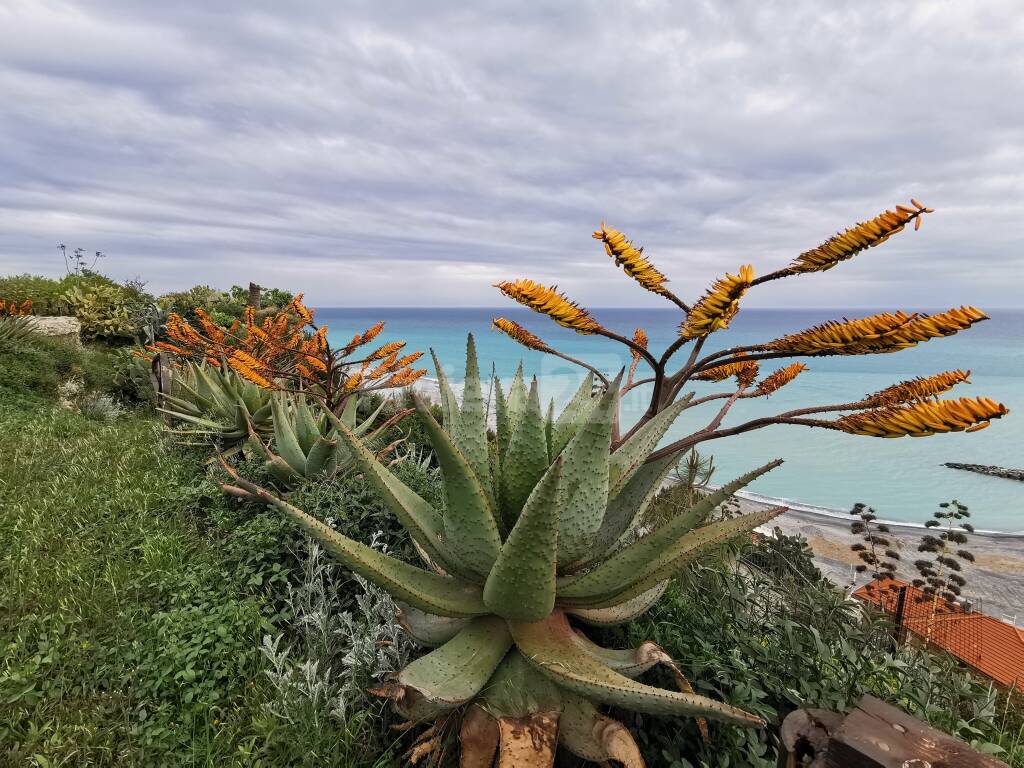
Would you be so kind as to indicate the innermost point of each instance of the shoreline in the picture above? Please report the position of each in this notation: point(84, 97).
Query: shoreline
point(995, 581)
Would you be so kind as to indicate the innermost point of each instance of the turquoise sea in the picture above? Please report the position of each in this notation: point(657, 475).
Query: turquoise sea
point(903, 479)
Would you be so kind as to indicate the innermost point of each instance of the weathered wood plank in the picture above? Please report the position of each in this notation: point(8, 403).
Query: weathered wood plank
point(878, 735)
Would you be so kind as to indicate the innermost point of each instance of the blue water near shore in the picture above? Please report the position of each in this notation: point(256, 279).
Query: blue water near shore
point(902, 479)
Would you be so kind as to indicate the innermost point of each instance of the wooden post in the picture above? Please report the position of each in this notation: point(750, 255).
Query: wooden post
point(255, 295)
point(873, 735)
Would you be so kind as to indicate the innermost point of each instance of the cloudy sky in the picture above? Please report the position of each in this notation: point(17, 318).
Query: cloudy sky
point(378, 153)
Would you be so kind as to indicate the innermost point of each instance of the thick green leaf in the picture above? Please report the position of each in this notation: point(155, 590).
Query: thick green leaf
point(585, 480)
point(585, 732)
point(614, 573)
point(430, 592)
point(364, 426)
point(663, 564)
point(517, 689)
point(284, 437)
point(515, 404)
point(470, 530)
point(449, 405)
point(521, 585)
point(427, 628)
point(348, 413)
point(320, 455)
point(622, 612)
point(500, 420)
point(416, 515)
point(573, 415)
point(526, 459)
point(631, 455)
point(631, 662)
point(306, 430)
point(549, 646)
point(629, 504)
point(471, 434)
point(454, 673)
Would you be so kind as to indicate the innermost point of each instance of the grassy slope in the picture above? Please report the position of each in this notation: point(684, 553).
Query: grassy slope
point(133, 598)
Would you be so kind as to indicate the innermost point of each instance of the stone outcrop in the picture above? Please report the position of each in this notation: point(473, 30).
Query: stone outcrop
point(67, 328)
point(983, 469)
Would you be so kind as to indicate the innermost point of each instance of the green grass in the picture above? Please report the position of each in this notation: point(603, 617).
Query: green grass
point(133, 599)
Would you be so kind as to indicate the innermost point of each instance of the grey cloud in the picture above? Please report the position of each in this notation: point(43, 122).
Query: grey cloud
point(438, 147)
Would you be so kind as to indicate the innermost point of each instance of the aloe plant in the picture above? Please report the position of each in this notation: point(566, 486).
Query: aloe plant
point(307, 444)
point(218, 405)
point(536, 539)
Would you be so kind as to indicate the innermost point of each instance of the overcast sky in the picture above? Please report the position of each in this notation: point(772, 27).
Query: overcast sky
point(377, 153)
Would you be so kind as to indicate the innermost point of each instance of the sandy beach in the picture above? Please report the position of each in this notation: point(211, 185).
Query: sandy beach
point(995, 582)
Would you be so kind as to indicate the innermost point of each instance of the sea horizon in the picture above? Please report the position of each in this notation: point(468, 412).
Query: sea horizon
point(902, 479)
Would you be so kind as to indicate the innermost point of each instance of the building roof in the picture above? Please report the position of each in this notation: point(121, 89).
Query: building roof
point(992, 647)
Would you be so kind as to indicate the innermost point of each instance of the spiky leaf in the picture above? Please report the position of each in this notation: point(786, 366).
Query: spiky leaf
point(470, 531)
point(521, 584)
point(548, 645)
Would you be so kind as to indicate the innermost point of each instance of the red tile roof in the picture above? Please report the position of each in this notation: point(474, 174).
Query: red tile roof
point(992, 647)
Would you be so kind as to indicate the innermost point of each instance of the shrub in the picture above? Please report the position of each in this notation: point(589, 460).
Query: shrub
point(773, 640)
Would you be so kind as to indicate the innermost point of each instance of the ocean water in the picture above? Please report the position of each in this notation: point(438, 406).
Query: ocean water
point(903, 479)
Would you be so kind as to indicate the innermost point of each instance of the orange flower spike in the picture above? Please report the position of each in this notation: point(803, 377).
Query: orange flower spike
point(381, 352)
point(780, 378)
point(315, 362)
point(921, 388)
point(408, 360)
point(631, 259)
point(250, 316)
point(868, 234)
point(211, 328)
point(371, 333)
point(924, 418)
point(716, 309)
point(640, 339)
point(354, 381)
point(386, 367)
point(548, 301)
point(300, 309)
point(518, 333)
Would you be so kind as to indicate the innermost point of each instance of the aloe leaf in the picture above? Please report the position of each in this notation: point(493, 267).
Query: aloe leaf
point(515, 404)
point(284, 437)
point(632, 454)
point(526, 459)
point(659, 566)
point(521, 585)
point(453, 674)
point(348, 412)
point(618, 570)
point(470, 530)
point(427, 628)
point(585, 480)
point(430, 592)
point(449, 405)
point(549, 426)
point(629, 504)
point(573, 415)
point(500, 417)
point(416, 515)
point(517, 689)
point(363, 427)
point(548, 645)
point(621, 612)
point(306, 430)
point(280, 469)
point(631, 662)
point(585, 732)
point(320, 455)
point(471, 429)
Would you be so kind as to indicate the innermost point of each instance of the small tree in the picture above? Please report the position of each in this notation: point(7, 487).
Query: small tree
point(940, 577)
point(876, 550)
